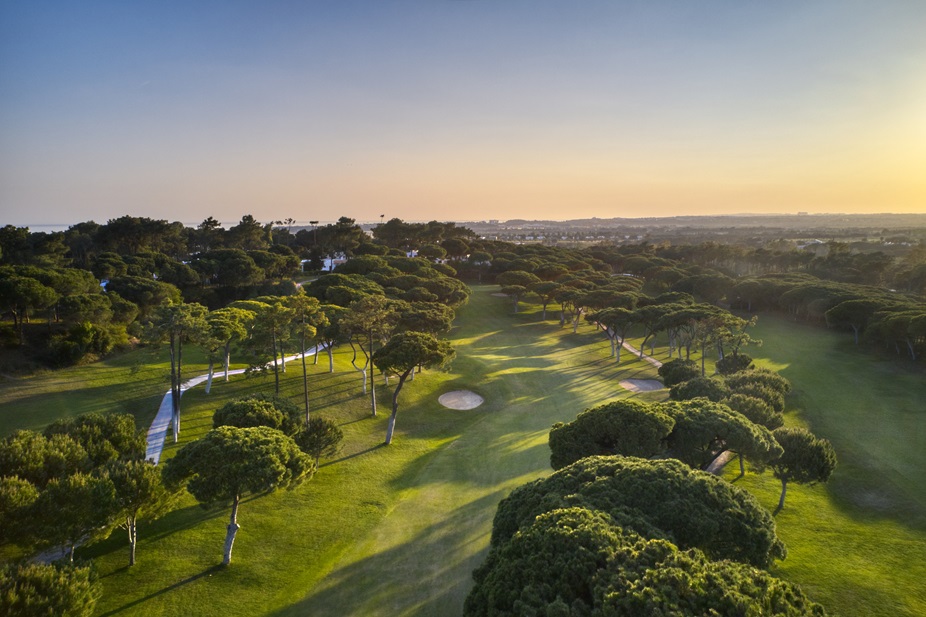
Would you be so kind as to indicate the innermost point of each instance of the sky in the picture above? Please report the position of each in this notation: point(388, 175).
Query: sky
point(459, 110)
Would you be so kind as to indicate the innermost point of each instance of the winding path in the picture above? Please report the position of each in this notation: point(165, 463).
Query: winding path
point(157, 433)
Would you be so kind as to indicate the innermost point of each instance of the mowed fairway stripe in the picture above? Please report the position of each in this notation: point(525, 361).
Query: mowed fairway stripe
point(419, 560)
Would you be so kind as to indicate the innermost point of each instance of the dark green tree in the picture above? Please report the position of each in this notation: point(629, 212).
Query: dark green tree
point(33, 589)
point(320, 437)
point(807, 459)
point(628, 428)
point(402, 354)
point(229, 463)
point(577, 561)
point(655, 498)
point(140, 494)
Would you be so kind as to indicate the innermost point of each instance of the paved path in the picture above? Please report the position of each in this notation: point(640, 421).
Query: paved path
point(636, 352)
point(157, 433)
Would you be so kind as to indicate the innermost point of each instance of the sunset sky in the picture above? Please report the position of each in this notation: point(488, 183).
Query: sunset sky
point(459, 109)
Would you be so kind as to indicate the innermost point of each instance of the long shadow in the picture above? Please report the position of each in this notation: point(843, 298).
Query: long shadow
point(411, 578)
point(350, 456)
point(168, 589)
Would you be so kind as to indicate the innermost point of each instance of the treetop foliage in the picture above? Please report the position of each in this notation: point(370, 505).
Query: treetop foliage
point(578, 561)
point(656, 498)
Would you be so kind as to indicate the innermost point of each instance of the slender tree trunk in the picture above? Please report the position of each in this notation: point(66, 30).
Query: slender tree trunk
point(372, 389)
point(282, 358)
point(133, 537)
point(276, 367)
point(620, 344)
point(372, 381)
point(330, 359)
point(781, 500)
point(175, 386)
point(742, 465)
point(71, 552)
point(390, 427)
point(231, 530)
point(209, 379)
point(305, 381)
point(544, 312)
point(227, 357)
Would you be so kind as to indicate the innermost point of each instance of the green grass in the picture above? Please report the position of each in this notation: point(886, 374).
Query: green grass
point(380, 530)
point(397, 530)
point(132, 382)
point(858, 543)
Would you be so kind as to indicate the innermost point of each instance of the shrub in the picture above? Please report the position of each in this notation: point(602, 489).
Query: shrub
point(677, 371)
point(733, 364)
point(700, 387)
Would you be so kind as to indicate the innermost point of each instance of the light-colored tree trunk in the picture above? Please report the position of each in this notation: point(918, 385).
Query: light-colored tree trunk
point(133, 537)
point(390, 427)
point(330, 360)
point(231, 530)
point(305, 382)
point(209, 379)
point(227, 358)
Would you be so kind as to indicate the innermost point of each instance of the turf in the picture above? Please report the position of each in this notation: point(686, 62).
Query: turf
point(397, 530)
point(858, 543)
point(380, 530)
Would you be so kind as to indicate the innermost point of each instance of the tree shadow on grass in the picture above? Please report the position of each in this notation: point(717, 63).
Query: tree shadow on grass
point(420, 580)
point(190, 579)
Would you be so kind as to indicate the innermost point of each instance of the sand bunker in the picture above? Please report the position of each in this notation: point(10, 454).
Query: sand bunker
point(461, 399)
point(641, 385)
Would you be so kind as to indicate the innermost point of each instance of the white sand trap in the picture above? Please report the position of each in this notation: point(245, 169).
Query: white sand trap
point(461, 399)
point(641, 385)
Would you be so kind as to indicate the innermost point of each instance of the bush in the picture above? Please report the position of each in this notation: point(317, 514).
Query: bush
point(677, 371)
point(320, 438)
point(733, 364)
point(577, 561)
point(700, 387)
point(260, 410)
point(41, 589)
point(656, 499)
point(762, 376)
point(756, 409)
point(774, 399)
point(628, 428)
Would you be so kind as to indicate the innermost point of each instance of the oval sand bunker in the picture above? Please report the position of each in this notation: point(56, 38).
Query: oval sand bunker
point(642, 385)
point(460, 399)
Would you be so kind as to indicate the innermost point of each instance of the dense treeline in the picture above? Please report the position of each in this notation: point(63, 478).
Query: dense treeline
point(93, 286)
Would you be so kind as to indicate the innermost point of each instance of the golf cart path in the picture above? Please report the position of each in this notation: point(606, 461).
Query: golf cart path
point(636, 352)
point(157, 433)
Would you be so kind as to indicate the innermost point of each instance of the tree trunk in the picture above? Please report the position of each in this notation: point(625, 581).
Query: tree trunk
point(372, 389)
point(231, 530)
point(227, 357)
point(544, 312)
point(620, 344)
point(209, 379)
point(390, 427)
point(781, 500)
point(742, 465)
point(305, 381)
point(276, 367)
point(179, 382)
point(282, 358)
point(330, 360)
point(133, 537)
